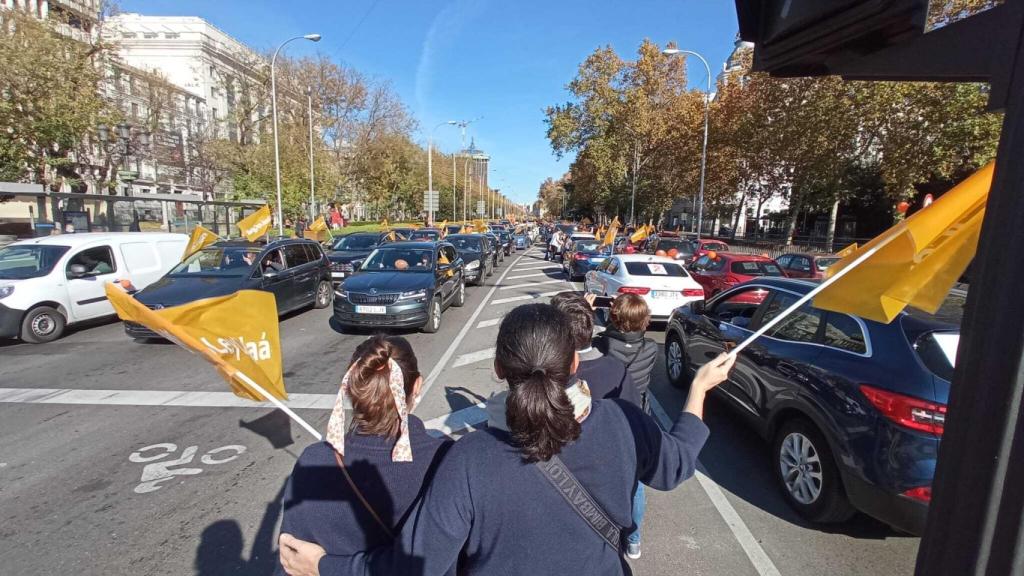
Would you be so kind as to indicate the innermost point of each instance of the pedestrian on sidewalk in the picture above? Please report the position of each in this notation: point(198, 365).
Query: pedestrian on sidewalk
point(353, 491)
point(625, 341)
point(496, 504)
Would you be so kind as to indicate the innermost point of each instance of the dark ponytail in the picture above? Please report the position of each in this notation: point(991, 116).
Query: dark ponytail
point(534, 353)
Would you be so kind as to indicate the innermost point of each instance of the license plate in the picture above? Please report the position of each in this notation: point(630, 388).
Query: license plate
point(371, 309)
point(664, 294)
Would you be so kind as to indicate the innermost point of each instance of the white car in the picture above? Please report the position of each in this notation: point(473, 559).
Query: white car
point(51, 282)
point(663, 282)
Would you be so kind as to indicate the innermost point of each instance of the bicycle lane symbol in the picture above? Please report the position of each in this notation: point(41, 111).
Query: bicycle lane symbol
point(158, 471)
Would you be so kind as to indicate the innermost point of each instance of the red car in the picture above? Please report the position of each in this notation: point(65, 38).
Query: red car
point(705, 246)
point(800, 265)
point(727, 270)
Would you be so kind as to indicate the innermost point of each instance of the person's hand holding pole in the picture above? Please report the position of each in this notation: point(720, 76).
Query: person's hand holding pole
point(710, 375)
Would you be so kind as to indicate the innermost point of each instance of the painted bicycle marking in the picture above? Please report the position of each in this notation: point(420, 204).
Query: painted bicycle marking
point(158, 471)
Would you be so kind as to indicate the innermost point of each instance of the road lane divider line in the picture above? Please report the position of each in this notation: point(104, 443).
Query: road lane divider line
point(534, 275)
point(530, 284)
point(473, 357)
point(525, 297)
point(535, 266)
point(491, 322)
point(443, 361)
point(755, 553)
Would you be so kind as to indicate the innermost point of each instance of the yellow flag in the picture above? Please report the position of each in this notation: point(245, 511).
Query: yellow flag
point(237, 333)
point(847, 251)
point(609, 237)
point(480, 225)
point(384, 224)
point(916, 261)
point(639, 235)
point(256, 224)
point(200, 238)
point(318, 225)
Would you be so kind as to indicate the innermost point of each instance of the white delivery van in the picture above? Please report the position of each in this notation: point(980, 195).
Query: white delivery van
point(49, 283)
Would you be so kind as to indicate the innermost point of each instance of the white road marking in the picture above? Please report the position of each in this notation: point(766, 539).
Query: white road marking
point(536, 275)
point(526, 297)
point(155, 398)
point(530, 284)
point(473, 357)
point(443, 361)
point(536, 266)
point(158, 472)
point(457, 421)
point(491, 322)
point(758, 557)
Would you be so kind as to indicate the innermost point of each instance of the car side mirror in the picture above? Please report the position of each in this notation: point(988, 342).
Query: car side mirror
point(77, 271)
point(270, 274)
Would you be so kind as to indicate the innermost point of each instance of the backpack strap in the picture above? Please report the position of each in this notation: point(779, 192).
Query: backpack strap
point(558, 474)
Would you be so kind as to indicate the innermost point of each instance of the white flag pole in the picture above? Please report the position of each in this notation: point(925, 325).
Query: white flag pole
point(810, 295)
point(249, 382)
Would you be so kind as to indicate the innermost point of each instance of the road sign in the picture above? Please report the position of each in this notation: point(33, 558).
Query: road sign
point(431, 200)
point(481, 207)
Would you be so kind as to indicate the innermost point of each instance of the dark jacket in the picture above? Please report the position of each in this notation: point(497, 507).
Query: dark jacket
point(607, 377)
point(320, 506)
point(504, 516)
point(637, 353)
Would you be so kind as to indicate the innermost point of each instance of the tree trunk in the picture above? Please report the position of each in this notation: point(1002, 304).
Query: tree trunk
point(796, 202)
point(831, 234)
point(739, 213)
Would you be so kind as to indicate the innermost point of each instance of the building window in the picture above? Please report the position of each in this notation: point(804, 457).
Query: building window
point(149, 35)
point(127, 34)
point(135, 110)
point(171, 35)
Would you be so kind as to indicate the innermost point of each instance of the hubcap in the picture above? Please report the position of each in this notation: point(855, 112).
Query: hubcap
point(43, 325)
point(324, 293)
point(801, 468)
point(675, 360)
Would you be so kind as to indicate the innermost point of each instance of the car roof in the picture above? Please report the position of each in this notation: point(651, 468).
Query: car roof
point(82, 238)
point(467, 235)
point(645, 258)
point(411, 244)
point(737, 257)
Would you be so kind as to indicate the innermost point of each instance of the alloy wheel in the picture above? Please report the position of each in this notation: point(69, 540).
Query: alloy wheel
point(675, 360)
point(436, 316)
point(801, 468)
point(323, 294)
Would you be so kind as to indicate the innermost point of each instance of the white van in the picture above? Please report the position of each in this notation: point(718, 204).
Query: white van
point(49, 283)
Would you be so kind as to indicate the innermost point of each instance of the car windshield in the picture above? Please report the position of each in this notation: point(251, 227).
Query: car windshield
point(588, 245)
point(824, 263)
point(755, 268)
point(677, 245)
point(465, 244)
point(218, 260)
point(355, 242)
point(430, 235)
point(399, 260)
point(668, 269)
point(20, 262)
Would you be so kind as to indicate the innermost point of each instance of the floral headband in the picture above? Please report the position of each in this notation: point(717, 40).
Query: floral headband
point(402, 452)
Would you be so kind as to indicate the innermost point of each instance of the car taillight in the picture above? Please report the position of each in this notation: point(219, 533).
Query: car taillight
point(921, 494)
point(638, 290)
point(693, 292)
point(907, 411)
point(579, 256)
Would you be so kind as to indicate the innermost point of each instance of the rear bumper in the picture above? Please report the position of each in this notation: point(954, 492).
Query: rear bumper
point(134, 330)
point(895, 510)
point(10, 322)
point(662, 308)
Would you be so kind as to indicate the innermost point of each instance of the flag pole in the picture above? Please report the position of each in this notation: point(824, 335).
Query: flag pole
point(810, 295)
point(249, 382)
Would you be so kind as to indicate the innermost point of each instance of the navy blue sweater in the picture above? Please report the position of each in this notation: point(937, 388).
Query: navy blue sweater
point(506, 519)
point(319, 506)
point(607, 377)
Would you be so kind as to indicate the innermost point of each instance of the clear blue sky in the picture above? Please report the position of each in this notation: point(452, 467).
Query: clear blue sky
point(460, 59)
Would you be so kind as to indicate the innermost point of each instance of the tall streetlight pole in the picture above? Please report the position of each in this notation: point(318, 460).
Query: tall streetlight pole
point(312, 176)
point(704, 153)
point(273, 104)
point(430, 168)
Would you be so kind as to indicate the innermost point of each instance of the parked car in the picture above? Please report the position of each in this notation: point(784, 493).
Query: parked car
point(800, 265)
point(348, 251)
point(477, 254)
point(425, 235)
point(405, 284)
point(726, 270)
point(854, 409)
point(584, 255)
point(47, 284)
point(522, 240)
point(702, 247)
point(506, 242)
point(296, 271)
point(683, 247)
point(499, 252)
point(453, 228)
point(662, 282)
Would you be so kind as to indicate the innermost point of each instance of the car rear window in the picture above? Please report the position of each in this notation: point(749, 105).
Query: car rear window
point(678, 245)
point(756, 268)
point(937, 351)
point(716, 247)
point(656, 269)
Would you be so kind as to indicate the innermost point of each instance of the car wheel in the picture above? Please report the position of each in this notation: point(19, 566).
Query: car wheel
point(490, 272)
point(434, 317)
point(323, 295)
point(460, 295)
point(807, 473)
point(42, 324)
point(677, 366)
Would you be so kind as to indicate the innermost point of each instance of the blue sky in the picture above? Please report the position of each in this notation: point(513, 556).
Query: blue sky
point(461, 59)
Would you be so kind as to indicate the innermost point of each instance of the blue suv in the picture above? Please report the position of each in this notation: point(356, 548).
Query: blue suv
point(854, 409)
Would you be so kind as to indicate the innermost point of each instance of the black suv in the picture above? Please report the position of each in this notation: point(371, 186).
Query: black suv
point(477, 254)
point(348, 251)
point(403, 284)
point(296, 271)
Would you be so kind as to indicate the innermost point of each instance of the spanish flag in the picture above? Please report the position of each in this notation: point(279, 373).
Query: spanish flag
point(915, 262)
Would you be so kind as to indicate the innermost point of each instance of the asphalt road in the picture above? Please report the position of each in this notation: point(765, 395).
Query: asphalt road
point(120, 457)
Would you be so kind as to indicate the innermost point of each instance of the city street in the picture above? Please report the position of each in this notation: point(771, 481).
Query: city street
point(126, 457)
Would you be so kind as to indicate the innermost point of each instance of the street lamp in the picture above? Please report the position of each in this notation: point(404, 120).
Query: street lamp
point(312, 178)
point(123, 133)
point(430, 170)
point(273, 104)
point(704, 153)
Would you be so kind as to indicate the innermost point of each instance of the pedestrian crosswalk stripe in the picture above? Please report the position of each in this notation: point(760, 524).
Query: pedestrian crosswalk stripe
point(491, 322)
point(456, 421)
point(473, 357)
point(533, 275)
point(175, 398)
point(526, 297)
point(530, 284)
point(537, 266)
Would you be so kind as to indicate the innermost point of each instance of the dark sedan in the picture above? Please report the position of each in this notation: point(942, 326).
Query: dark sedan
point(854, 409)
point(507, 243)
point(476, 254)
point(405, 284)
point(348, 251)
point(584, 255)
point(296, 271)
point(499, 252)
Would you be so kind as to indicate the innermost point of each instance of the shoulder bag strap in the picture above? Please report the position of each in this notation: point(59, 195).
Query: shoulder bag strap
point(556, 472)
point(362, 499)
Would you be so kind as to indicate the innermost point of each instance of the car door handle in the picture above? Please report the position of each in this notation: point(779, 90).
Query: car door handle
point(790, 371)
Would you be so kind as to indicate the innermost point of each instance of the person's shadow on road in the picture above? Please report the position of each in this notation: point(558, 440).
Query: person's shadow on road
point(221, 546)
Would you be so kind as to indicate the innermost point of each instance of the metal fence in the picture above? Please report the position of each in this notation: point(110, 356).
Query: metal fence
point(775, 247)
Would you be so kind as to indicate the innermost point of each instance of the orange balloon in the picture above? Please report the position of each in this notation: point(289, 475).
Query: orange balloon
point(673, 253)
point(902, 207)
point(712, 255)
point(660, 253)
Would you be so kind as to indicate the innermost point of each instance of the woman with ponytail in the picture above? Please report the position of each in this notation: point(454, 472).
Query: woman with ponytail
point(553, 494)
point(352, 492)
